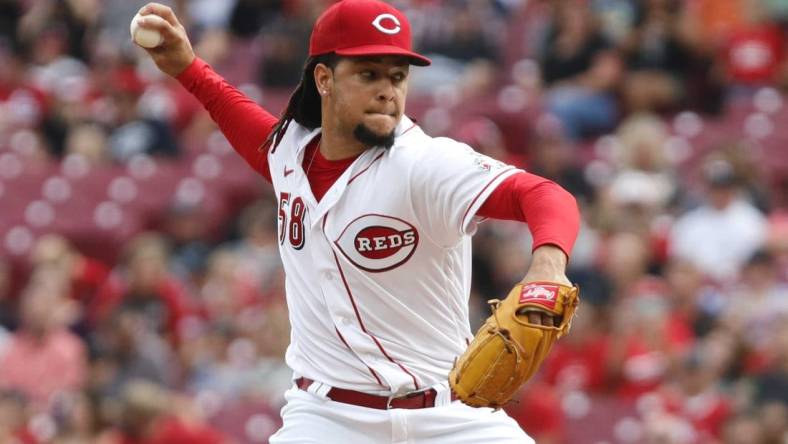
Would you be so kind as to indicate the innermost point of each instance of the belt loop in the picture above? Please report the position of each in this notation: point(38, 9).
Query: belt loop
point(319, 389)
point(442, 394)
point(388, 401)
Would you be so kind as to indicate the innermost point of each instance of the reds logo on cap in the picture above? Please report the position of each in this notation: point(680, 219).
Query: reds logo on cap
point(379, 20)
point(540, 294)
point(376, 243)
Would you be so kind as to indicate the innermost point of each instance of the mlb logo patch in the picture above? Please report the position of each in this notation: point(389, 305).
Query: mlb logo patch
point(482, 164)
point(486, 163)
point(541, 294)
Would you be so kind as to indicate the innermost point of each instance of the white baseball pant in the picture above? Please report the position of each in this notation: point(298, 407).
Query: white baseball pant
point(313, 419)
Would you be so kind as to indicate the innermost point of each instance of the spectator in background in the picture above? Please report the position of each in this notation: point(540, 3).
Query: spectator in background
point(753, 53)
point(637, 193)
point(688, 293)
point(257, 250)
point(719, 236)
point(186, 227)
point(143, 284)
point(244, 359)
point(695, 395)
point(125, 348)
point(268, 328)
point(14, 418)
point(646, 338)
point(463, 45)
point(226, 289)
point(24, 104)
point(43, 358)
point(133, 132)
point(84, 275)
point(581, 70)
point(713, 22)
point(643, 183)
point(625, 259)
point(642, 140)
point(579, 362)
point(282, 61)
point(68, 20)
point(758, 305)
point(658, 57)
point(149, 414)
point(466, 38)
point(54, 35)
point(68, 127)
point(552, 156)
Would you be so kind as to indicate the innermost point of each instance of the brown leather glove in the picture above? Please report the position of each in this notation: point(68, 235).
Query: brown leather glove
point(507, 349)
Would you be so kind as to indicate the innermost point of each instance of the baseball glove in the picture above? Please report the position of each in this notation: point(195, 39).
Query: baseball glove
point(507, 349)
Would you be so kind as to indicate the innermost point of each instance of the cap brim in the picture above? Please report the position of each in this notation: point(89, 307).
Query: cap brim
point(383, 50)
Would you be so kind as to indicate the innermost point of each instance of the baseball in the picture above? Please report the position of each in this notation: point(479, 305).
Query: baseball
point(147, 38)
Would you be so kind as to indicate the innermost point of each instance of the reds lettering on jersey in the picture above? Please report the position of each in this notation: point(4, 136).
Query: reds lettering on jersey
point(378, 272)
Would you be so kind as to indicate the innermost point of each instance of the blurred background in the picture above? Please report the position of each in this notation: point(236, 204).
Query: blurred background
point(141, 292)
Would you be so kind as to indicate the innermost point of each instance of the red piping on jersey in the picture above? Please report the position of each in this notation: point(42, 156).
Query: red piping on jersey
point(411, 127)
point(366, 168)
point(358, 316)
point(351, 350)
point(364, 329)
point(482, 192)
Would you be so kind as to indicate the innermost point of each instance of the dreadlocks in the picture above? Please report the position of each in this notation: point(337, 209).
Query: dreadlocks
point(304, 104)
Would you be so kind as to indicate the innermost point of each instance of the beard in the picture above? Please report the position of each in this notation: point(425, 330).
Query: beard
point(371, 139)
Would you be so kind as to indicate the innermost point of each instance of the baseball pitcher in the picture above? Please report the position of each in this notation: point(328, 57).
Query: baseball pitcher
point(375, 226)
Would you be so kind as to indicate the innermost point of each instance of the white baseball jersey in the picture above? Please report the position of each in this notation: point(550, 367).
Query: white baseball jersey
point(378, 272)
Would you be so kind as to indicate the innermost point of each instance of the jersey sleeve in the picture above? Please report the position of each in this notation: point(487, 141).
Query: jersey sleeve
point(242, 121)
point(449, 182)
point(550, 211)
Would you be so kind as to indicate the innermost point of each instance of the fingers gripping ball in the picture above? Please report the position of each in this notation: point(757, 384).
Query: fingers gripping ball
point(508, 349)
point(146, 37)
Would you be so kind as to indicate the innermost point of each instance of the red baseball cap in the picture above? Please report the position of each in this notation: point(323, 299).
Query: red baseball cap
point(363, 28)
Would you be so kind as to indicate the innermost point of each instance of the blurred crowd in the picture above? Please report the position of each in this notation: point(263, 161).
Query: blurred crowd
point(663, 117)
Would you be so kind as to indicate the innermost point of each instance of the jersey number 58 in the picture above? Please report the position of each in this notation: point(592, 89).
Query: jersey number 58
point(295, 226)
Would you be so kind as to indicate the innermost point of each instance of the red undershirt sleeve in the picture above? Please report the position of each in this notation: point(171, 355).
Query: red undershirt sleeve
point(242, 121)
point(550, 211)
